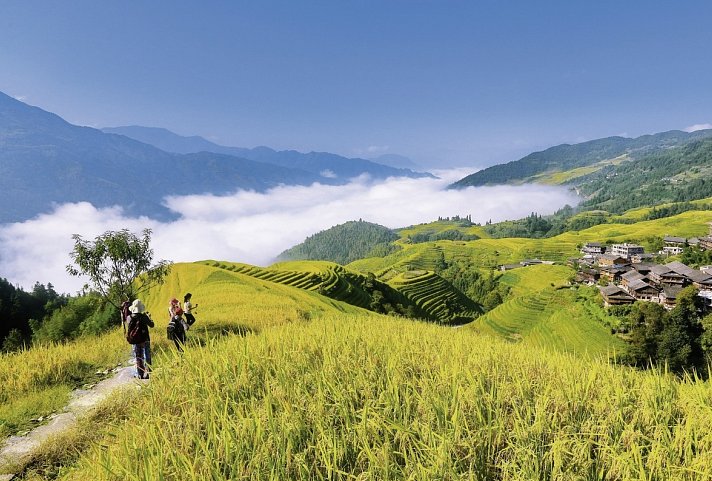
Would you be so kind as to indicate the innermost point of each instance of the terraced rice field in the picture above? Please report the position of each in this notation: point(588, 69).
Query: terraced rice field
point(552, 319)
point(490, 253)
point(327, 278)
point(435, 295)
point(534, 278)
point(432, 297)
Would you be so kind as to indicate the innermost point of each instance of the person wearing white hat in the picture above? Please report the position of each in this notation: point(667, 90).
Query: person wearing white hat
point(137, 334)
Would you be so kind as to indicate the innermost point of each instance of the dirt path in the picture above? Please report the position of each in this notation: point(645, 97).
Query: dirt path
point(15, 449)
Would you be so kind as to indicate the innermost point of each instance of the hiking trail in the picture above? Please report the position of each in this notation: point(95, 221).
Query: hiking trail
point(16, 449)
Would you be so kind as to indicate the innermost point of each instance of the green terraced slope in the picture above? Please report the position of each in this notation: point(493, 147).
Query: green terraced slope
point(436, 296)
point(559, 319)
point(428, 297)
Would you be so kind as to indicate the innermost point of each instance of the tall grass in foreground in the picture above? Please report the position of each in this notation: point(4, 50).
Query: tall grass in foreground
point(38, 381)
point(375, 398)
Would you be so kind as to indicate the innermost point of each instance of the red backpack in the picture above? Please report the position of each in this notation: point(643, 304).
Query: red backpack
point(136, 331)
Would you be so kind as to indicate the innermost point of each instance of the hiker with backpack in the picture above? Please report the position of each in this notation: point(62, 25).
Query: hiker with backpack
point(137, 334)
point(188, 309)
point(177, 328)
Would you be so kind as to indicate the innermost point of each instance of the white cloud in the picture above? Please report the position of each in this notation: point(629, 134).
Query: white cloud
point(254, 227)
point(696, 127)
point(327, 173)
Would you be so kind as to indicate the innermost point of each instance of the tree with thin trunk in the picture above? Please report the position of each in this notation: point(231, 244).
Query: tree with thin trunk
point(118, 264)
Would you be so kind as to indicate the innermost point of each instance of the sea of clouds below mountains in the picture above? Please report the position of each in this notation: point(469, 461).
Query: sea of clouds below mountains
point(254, 227)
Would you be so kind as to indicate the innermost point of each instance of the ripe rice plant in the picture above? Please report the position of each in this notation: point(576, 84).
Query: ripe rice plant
point(371, 397)
point(38, 381)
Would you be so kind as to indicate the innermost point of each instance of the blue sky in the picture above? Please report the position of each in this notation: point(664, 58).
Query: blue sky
point(445, 82)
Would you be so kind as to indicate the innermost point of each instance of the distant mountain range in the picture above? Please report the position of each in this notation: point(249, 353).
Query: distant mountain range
point(323, 164)
point(45, 160)
point(616, 173)
point(566, 157)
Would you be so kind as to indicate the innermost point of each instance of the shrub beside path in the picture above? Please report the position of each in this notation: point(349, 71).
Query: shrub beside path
point(17, 449)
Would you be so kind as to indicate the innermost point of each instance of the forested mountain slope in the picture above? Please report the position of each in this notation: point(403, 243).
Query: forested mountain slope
point(677, 174)
point(568, 157)
point(342, 243)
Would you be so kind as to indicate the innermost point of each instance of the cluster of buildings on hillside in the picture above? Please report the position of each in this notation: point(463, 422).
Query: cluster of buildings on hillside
point(631, 276)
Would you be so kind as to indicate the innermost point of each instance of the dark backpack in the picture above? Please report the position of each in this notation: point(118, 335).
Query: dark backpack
point(175, 329)
point(137, 329)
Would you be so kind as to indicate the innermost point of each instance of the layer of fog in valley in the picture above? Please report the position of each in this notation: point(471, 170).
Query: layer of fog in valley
point(255, 227)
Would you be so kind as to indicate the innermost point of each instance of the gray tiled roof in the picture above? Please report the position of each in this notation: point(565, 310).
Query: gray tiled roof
point(638, 284)
point(632, 275)
point(675, 240)
point(659, 270)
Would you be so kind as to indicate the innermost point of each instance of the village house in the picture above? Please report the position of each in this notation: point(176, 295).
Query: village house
point(706, 297)
point(615, 296)
point(626, 250)
point(588, 276)
point(642, 291)
point(701, 280)
point(665, 276)
point(668, 296)
point(614, 273)
point(532, 262)
point(631, 276)
point(643, 267)
point(636, 284)
point(610, 260)
point(509, 267)
point(673, 241)
point(593, 248)
point(673, 246)
point(640, 258)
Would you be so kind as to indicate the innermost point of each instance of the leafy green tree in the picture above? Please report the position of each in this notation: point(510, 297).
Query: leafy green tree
point(492, 300)
point(679, 343)
point(706, 336)
point(646, 320)
point(82, 315)
point(118, 264)
point(14, 341)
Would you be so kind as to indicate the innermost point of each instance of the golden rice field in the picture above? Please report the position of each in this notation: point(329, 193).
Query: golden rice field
point(281, 383)
point(368, 397)
point(38, 381)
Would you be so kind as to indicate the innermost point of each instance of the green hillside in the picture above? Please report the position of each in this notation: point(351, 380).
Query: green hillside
point(490, 253)
point(567, 319)
point(544, 311)
point(579, 159)
point(342, 243)
point(434, 298)
point(615, 174)
point(673, 175)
